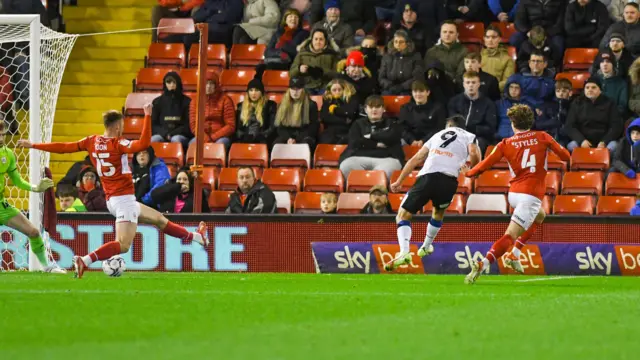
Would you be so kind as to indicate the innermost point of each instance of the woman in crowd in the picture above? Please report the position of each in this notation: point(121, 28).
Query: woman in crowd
point(400, 66)
point(90, 190)
point(283, 46)
point(255, 116)
point(297, 116)
point(340, 108)
point(316, 61)
point(177, 196)
point(495, 57)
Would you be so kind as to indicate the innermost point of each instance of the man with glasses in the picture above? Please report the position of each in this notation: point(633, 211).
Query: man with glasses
point(622, 56)
point(537, 84)
point(629, 27)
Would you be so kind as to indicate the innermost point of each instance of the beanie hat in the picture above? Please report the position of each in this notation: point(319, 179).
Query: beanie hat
point(255, 84)
point(618, 36)
point(594, 80)
point(328, 4)
point(355, 58)
point(296, 82)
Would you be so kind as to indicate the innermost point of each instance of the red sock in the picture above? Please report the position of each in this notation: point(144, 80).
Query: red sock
point(177, 231)
point(525, 236)
point(499, 248)
point(106, 251)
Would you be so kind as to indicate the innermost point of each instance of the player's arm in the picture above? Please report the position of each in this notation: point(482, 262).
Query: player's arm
point(419, 157)
point(132, 147)
point(474, 154)
point(55, 147)
point(21, 183)
point(562, 153)
point(487, 163)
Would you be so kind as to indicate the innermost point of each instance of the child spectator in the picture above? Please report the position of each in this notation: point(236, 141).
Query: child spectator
point(421, 117)
point(378, 201)
point(255, 116)
point(251, 196)
point(340, 108)
point(400, 66)
point(488, 83)
point(68, 197)
point(258, 24)
point(297, 116)
point(552, 116)
point(316, 61)
point(537, 41)
point(329, 203)
point(177, 196)
point(149, 172)
point(511, 96)
point(90, 190)
point(170, 113)
point(219, 115)
point(627, 156)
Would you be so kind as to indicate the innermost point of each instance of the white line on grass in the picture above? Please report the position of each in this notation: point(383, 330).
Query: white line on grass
point(550, 278)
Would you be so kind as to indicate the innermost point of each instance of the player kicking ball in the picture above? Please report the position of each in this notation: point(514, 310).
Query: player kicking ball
point(108, 155)
point(445, 153)
point(526, 153)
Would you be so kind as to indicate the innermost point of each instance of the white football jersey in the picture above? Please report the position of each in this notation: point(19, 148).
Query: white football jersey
point(448, 151)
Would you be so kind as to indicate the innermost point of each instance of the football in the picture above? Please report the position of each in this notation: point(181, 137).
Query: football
point(114, 266)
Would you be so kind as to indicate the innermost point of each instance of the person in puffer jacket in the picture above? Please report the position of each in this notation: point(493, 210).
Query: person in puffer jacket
point(400, 66)
point(510, 97)
point(149, 172)
point(627, 156)
point(219, 114)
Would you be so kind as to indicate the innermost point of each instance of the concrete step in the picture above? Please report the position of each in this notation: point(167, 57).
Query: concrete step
point(96, 90)
point(95, 78)
point(79, 117)
point(73, 13)
point(90, 103)
point(104, 66)
point(99, 26)
point(118, 3)
point(132, 40)
point(99, 53)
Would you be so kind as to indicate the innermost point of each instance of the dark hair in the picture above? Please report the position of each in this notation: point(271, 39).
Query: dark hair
point(457, 121)
point(564, 84)
point(374, 101)
point(493, 28)
point(474, 55)
point(635, 5)
point(538, 52)
point(449, 22)
point(66, 190)
point(419, 85)
point(111, 117)
point(521, 116)
point(187, 171)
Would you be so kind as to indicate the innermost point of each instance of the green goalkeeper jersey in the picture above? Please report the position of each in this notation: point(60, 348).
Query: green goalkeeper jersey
point(8, 166)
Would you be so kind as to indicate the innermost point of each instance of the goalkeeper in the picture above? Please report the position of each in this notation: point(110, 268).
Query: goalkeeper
point(9, 215)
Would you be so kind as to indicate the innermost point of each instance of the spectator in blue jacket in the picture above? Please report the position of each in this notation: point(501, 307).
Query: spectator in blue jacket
point(553, 114)
point(510, 97)
point(626, 159)
point(149, 172)
point(635, 211)
point(537, 84)
point(221, 15)
point(504, 10)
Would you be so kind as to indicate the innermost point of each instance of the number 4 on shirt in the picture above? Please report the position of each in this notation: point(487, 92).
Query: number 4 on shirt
point(528, 161)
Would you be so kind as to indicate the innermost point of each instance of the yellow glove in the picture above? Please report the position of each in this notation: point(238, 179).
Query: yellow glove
point(332, 108)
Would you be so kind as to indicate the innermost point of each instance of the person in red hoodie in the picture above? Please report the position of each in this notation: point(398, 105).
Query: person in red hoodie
point(219, 114)
point(172, 9)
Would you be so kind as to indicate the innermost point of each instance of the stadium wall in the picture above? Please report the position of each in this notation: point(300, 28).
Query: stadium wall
point(357, 244)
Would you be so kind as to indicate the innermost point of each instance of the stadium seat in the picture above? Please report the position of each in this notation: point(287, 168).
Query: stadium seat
point(573, 205)
point(590, 159)
point(132, 127)
point(350, 203)
point(410, 151)
point(552, 182)
point(493, 181)
point(393, 103)
point(511, 50)
point(363, 180)
point(582, 182)
point(307, 203)
point(150, 80)
point(507, 29)
point(175, 26)
point(135, 102)
point(465, 185)
point(228, 177)
point(326, 180)
point(395, 200)
point(471, 33)
point(318, 99)
point(209, 178)
point(578, 59)
point(171, 153)
point(277, 97)
point(189, 80)
point(283, 202)
point(408, 181)
point(212, 155)
point(165, 55)
point(577, 79)
point(292, 155)
point(236, 79)
point(486, 204)
point(472, 47)
point(219, 200)
point(282, 179)
point(502, 164)
point(615, 205)
point(216, 56)
point(619, 184)
point(246, 56)
point(237, 97)
point(555, 163)
point(327, 155)
point(248, 155)
point(275, 81)
point(456, 206)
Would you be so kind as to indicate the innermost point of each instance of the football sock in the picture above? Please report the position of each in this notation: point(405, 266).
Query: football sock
point(525, 237)
point(432, 230)
point(404, 235)
point(104, 252)
point(498, 249)
point(37, 246)
point(177, 231)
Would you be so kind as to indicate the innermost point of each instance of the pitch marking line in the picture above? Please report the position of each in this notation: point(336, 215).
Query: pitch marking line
point(551, 278)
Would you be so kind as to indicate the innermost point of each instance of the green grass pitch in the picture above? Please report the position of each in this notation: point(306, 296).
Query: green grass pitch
point(310, 316)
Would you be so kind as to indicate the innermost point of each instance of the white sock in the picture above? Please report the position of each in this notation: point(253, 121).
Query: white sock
point(404, 236)
point(485, 263)
point(432, 231)
point(198, 238)
point(87, 260)
point(516, 252)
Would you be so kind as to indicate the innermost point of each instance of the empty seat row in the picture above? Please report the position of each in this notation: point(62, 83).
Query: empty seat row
point(175, 56)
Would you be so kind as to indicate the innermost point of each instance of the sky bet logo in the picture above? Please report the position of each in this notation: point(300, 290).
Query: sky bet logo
point(628, 259)
point(353, 260)
point(594, 260)
point(385, 253)
point(465, 258)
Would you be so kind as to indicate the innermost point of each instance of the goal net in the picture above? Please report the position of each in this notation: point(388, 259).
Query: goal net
point(32, 61)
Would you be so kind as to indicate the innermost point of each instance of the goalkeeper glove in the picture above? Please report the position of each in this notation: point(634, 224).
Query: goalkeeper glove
point(43, 185)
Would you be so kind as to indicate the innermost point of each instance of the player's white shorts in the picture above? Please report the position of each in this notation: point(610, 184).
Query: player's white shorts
point(124, 208)
point(525, 208)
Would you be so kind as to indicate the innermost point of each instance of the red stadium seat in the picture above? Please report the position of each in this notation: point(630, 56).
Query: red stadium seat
point(219, 200)
point(590, 159)
point(171, 26)
point(410, 151)
point(132, 127)
point(502, 164)
point(282, 179)
point(473, 47)
point(465, 185)
point(554, 162)
point(294, 155)
point(395, 200)
point(212, 155)
point(493, 181)
point(135, 102)
point(209, 178)
point(573, 205)
point(619, 184)
point(407, 183)
point(189, 80)
point(246, 56)
point(507, 29)
point(150, 80)
point(392, 103)
point(327, 155)
point(216, 56)
point(471, 33)
point(326, 180)
point(236, 79)
point(615, 205)
point(318, 99)
point(456, 206)
point(170, 152)
point(165, 55)
point(577, 79)
point(582, 182)
point(228, 177)
point(364, 180)
point(579, 59)
point(237, 97)
point(275, 81)
point(248, 155)
point(552, 182)
point(277, 97)
point(307, 203)
point(486, 204)
point(352, 203)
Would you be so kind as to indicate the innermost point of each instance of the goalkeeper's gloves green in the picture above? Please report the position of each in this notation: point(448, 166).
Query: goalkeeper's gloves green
point(43, 185)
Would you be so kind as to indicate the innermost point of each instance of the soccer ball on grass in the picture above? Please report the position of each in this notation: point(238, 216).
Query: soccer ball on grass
point(114, 266)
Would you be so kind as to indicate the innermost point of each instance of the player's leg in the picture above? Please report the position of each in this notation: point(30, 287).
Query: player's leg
point(444, 190)
point(155, 218)
point(16, 220)
point(435, 223)
point(530, 213)
point(522, 240)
